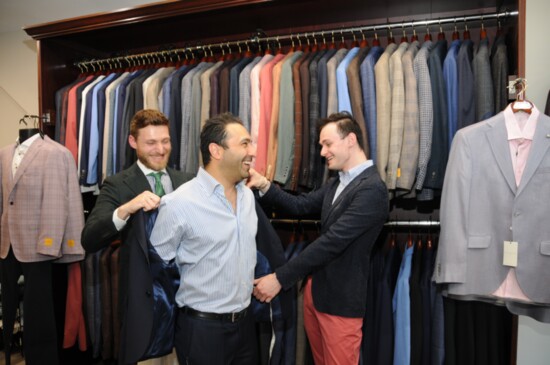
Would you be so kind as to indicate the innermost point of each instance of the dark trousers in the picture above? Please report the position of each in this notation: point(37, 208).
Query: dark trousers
point(215, 342)
point(39, 331)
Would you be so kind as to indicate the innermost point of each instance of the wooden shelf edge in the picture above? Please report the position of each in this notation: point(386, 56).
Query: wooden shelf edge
point(138, 14)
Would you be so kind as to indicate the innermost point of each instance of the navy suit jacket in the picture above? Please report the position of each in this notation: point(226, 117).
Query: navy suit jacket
point(339, 258)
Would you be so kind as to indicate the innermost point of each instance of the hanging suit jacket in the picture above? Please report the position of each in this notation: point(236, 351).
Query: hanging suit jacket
point(41, 206)
point(481, 207)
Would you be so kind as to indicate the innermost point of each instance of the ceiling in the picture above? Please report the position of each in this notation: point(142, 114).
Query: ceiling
point(16, 14)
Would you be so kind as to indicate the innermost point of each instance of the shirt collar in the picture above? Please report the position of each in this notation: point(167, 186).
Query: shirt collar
point(512, 125)
point(211, 185)
point(347, 176)
point(146, 171)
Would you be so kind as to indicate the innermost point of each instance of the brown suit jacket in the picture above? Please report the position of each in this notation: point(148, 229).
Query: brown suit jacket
point(41, 206)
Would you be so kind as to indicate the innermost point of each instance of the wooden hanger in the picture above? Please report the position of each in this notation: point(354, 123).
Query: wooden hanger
point(376, 41)
point(441, 34)
point(342, 42)
point(364, 43)
point(466, 34)
point(404, 38)
point(456, 35)
point(482, 32)
point(390, 36)
point(521, 105)
point(414, 37)
point(428, 36)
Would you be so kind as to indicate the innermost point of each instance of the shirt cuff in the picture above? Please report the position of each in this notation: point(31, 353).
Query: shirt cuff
point(119, 223)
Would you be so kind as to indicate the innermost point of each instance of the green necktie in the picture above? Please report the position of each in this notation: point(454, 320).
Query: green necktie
point(159, 189)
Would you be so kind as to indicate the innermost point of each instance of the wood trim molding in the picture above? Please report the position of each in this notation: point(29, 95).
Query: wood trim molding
point(521, 37)
point(138, 14)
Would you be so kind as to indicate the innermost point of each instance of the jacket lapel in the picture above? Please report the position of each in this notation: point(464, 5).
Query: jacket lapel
point(135, 180)
point(539, 147)
point(497, 137)
point(332, 207)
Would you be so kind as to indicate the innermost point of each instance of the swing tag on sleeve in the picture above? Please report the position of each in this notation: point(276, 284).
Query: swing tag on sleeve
point(510, 254)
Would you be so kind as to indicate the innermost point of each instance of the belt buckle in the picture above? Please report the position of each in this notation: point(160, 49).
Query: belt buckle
point(233, 315)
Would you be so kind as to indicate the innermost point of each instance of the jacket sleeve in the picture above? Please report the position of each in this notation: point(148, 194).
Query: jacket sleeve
point(99, 230)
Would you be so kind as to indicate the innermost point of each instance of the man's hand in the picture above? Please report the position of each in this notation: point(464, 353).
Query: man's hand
point(256, 180)
point(266, 288)
point(146, 201)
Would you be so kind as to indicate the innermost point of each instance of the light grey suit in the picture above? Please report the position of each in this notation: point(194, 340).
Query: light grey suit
point(481, 207)
point(485, 103)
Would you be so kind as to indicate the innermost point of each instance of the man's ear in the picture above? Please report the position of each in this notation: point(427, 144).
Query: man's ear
point(132, 141)
point(352, 139)
point(215, 151)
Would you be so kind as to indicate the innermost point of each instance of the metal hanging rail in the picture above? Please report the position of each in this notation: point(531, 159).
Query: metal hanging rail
point(257, 39)
point(411, 223)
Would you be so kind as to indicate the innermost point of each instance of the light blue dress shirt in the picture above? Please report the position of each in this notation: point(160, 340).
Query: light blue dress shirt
point(94, 130)
point(344, 101)
point(214, 245)
point(368, 86)
point(347, 176)
point(402, 311)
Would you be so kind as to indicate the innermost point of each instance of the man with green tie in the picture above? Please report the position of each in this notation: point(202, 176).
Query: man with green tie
point(138, 187)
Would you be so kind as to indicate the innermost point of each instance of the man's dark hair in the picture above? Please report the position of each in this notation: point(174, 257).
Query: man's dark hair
point(215, 131)
point(345, 124)
point(144, 118)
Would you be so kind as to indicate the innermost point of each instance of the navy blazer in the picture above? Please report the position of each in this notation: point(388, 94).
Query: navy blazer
point(339, 258)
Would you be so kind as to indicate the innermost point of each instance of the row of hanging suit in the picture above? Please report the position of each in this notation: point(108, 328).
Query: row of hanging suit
point(410, 322)
point(409, 99)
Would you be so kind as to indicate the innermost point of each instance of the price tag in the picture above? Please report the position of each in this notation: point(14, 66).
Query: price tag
point(510, 254)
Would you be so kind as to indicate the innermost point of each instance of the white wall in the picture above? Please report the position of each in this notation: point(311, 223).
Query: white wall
point(533, 336)
point(18, 82)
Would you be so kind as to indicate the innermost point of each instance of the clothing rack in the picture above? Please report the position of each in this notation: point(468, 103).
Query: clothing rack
point(258, 38)
point(412, 224)
point(392, 223)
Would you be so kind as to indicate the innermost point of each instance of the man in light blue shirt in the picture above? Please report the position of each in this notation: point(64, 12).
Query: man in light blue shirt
point(208, 226)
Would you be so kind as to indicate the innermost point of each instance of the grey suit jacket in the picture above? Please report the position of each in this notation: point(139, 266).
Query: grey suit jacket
point(485, 103)
point(499, 70)
point(408, 161)
point(481, 207)
point(285, 131)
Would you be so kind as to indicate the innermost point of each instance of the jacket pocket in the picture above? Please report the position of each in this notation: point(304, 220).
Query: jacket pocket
point(479, 241)
point(545, 248)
